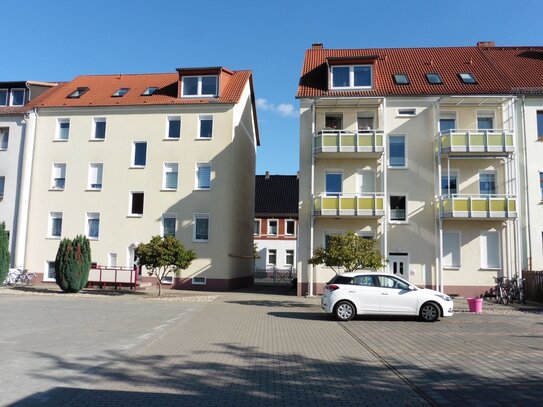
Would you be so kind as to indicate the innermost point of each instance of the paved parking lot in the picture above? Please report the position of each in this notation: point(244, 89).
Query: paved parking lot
point(248, 349)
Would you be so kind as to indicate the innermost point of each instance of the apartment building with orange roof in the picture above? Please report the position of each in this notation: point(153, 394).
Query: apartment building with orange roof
point(120, 158)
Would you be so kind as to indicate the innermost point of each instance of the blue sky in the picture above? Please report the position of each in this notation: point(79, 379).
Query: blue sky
point(57, 40)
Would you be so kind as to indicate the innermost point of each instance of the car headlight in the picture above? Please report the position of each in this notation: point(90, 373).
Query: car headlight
point(444, 297)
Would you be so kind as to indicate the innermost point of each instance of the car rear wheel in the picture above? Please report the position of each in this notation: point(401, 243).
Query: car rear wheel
point(429, 312)
point(344, 311)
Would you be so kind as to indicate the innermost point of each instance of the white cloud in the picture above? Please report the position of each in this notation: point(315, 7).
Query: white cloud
point(284, 109)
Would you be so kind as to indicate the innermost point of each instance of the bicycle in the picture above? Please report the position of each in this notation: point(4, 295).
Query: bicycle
point(20, 277)
point(502, 291)
point(518, 292)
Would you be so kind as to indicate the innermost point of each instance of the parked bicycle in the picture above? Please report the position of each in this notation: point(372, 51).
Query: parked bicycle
point(20, 277)
point(502, 290)
point(507, 291)
point(517, 290)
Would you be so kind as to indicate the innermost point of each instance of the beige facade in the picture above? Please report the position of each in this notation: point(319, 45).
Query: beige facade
point(94, 185)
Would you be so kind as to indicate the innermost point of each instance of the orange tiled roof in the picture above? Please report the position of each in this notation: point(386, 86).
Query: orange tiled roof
point(102, 87)
point(448, 62)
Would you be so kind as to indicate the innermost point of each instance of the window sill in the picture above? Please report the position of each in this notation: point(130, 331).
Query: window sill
point(199, 241)
point(202, 189)
point(203, 138)
point(171, 139)
point(59, 140)
point(397, 168)
point(49, 280)
point(134, 215)
point(3, 149)
point(53, 237)
point(351, 88)
point(456, 268)
point(97, 139)
point(56, 189)
point(168, 190)
point(490, 269)
point(92, 239)
point(93, 190)
point(398, 222)
point(137, 167)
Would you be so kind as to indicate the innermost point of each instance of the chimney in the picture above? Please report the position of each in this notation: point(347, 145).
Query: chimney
point(486, 44)
point(267, 175)
point(317, 45)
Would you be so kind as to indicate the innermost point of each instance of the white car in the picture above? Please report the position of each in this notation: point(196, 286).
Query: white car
point(357, 293)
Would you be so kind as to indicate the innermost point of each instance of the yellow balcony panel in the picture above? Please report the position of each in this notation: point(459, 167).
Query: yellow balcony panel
point(349, 205)
point(330, 203)
point(359, 143)
point(461, 205)
point(478, 207)
point(477, 141)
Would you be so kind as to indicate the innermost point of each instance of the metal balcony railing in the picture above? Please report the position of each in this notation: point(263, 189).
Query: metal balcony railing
point(476, 141)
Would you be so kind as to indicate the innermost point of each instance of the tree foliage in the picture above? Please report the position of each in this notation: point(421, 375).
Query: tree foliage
point(73, 263)
point(349, 252)
point(162, 256)
point(4, 252)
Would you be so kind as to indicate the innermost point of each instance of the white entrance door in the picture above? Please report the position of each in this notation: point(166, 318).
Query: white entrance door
point(398, 265)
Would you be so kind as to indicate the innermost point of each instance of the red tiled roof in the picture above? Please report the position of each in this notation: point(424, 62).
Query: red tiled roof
point(415, 62)
point(101, 87)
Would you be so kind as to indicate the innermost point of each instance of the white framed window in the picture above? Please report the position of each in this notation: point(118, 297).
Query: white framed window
point(397, 151)
point(272, 257)
point(256, 227)
point(451, 249)
point(487, 182)
point(55, 225)
point(333, 121)
point(2, 186)
point(199, 280)
point(17, 97)
point(201, 227)
point(4, 138)
point(365, 121)
point(200, 86)
point(290, 227)
point(112, 259)
point(96, 174)
point(485, 120)
point(398, 208)
point(76, 94)
point(449, 183)
point(407, 112)
point(3, 97)
point(139, 154)
point(49, 272)
point(365, 234)
point(327, 235)
point(93, 225)
point(174, 128)
point(149, 91)
point(58, 176)
point(289, 257)
point(541, 185)
point(273, 227)
point(63, 130)
point(170, 176)
point(447, 121)
point(169, 224)
point(205, 127)
point(351, 76)
point(99, 128)
point(136, 203)
point(490, 250)
point(119, 93)
point(203, 176)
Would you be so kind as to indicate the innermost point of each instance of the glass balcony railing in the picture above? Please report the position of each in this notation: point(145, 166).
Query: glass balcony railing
point(345, 141)
point(478, 206)
point(476, 141)
point(369, 204)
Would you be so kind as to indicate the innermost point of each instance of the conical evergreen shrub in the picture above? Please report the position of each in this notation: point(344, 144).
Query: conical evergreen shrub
point(4, 253)
point(72, 264)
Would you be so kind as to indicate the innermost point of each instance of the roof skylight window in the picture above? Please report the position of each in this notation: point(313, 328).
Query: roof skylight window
point(434, 78)
point(467, 77)
point(401, 79)
point(121, 92)
point(149, 91)
point(78, 92)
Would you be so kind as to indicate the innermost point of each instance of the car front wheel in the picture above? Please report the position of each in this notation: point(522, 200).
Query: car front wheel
point(344, 311)
point(429, 312)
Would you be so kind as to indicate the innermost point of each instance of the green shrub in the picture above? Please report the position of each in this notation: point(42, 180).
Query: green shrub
point(72, 264)
point(4, 252)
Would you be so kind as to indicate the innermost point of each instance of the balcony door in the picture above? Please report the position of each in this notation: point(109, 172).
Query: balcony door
point(447, 121)
point(333, 183)
point(487, 183)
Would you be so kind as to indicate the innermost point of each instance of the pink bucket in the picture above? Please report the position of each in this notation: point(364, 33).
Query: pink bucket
point(475, 305)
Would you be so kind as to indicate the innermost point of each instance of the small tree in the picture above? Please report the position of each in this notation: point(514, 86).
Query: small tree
point(72, 264)
point(349, 252)
point(4, 252)
point(163, 255)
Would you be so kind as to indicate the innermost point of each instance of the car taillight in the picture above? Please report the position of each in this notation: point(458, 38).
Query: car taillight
point(332, 287)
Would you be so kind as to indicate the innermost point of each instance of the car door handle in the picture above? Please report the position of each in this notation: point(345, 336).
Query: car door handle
point(352, 291)
point(384, 293)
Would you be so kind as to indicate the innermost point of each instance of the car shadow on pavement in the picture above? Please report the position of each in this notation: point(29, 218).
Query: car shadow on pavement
point(271, 303)
point(231, 374)
point(309, 316)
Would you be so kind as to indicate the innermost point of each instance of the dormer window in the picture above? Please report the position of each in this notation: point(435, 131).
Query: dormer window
point(351, 77)
point(17, 97)
point(149, 91)
point(200, 86)
point(78, 93)
point(434, 78)
point(3, 97)
point(121, 92)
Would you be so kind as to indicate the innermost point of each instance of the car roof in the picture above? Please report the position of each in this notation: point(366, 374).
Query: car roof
point(364, 273)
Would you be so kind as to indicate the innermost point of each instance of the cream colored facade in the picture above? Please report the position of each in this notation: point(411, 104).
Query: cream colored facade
point(224, 260)
point(460, 250)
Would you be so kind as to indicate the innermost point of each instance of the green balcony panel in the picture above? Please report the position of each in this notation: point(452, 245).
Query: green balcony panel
point(460, 205)
point(348, 140)
point(495, 139)
point(329, 141)
point(512, 203)
point(348, 204)
point(365, 140)
point(379, 203)
point(318, 204)
point(498, 205)
point(479, 205)
point(366, 203)
point(509, 140)
point(318, 142)
point(477, 139)
point(329, 203)
point(446, 141)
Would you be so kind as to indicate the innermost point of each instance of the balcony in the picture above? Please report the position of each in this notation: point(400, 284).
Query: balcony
point(487, 142)
point(356, 144)
point(369, 205)
point(478, 206)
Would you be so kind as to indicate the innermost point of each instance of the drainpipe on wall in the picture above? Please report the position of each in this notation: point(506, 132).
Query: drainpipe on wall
point(311, 268)
point(24, 187)
point(526, 181)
